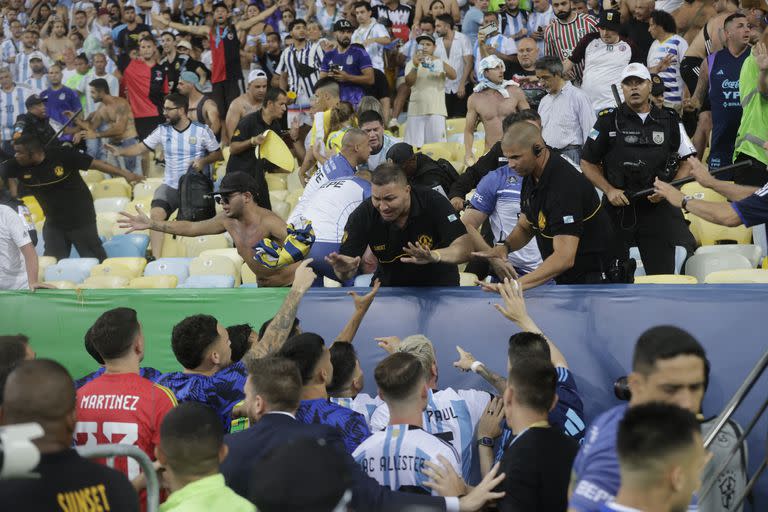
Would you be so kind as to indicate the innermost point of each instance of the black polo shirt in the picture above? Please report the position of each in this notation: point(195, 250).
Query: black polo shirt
point(564, 202)
point(431, 221)
point(58, 187)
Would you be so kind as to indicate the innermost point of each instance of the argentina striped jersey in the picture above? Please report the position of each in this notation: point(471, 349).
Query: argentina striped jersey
point(11, 106)
point(181, 148)
point(363, 404)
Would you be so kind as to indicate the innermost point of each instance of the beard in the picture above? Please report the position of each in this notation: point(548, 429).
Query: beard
point(563, 15)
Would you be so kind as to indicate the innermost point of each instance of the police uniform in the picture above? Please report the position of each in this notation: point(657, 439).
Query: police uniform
point(432, 221)
point(41, 128)
point(633, 153)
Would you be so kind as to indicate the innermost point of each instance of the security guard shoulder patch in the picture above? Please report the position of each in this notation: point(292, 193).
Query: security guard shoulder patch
point(542, 221)
point(58, 171)
point(605, 111)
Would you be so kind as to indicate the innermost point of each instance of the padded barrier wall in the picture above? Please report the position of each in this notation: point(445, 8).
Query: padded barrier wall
point(595, 327)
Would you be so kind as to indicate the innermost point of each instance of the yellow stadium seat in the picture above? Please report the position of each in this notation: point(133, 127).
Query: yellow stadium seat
point(293, 198)
point(246, 274)
point(34, 208)
point(92, 176)
point(145, 203)
point(294, 182)
point(455, 125)
point(436, 150)
point(230, 253)
point(278, 195)
point(62, 285)
point(701, 265)
point(110, 204)
point(147, 188)
point(116, 187)
point(741, 276)
point(126, 267)
point(666, 279)
point(104, 223)
point(154, 282)
point(214, 266)
point(478, 148)
point(173, 247)
point(196, 245)
point(276, 181)
point(467, 279)
point(44, 262)
point(103, 282)
point(703, 193)
point(281, 209)
point(712, 234)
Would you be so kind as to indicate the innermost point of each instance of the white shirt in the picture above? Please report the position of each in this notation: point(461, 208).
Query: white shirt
point(675, 46)
point(381, 157)
point(37, 85)
point(500, 43)
point(181, 148)
point(538, 19)
point(460, 48)
point(363, 404)
point(669, 6)
point(375, 50)
point(12, 105)
point(396, 457)
point(451, 412)
point(566, 117)
point(13, 236)
point(603, 64)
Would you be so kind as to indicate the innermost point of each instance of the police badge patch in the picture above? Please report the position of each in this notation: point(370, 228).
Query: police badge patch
point(658, 137)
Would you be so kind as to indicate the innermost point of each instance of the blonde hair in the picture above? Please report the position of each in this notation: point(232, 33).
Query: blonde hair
point(421, 347)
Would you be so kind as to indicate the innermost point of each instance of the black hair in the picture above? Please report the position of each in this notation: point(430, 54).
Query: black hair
point(534, 382)
point(272, 94)
point(113, 333)
point(191, 338)
point(239, 340)
point(664, 342)
point(100, 85)
point(191, 436)
point(528, 345)
point(220, 4)
point(445, 18)
point(13, 350)
point(665, 21)
point(178, 100)
point(30, 142)
point(362, 4)
point(427, 19)
point(527, 114)
point(731, 17)
point(294, 328)
point(305, 350)
point(344, 360)
point(274, 34)
point(387, 173)
point(297, 21)
point(369, 116)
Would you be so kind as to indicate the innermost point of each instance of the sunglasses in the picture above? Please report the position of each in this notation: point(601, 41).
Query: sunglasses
point(224, 198)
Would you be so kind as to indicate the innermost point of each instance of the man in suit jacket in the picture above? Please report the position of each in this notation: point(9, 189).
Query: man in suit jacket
point(272, 393)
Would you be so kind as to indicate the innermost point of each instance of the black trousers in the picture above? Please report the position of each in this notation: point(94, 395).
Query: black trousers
point(58, 242)
point(457, 107)
point(655, 229)
point(224, 93)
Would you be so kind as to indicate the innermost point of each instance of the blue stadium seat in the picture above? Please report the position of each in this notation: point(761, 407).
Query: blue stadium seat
point(178, 267)
point(73, 254)
point(71, 269)
point(209, 281)
point(249, 285)
point(127, 245)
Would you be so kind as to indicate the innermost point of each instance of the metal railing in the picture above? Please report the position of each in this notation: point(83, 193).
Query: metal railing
point(722, 420)
point(121, 450)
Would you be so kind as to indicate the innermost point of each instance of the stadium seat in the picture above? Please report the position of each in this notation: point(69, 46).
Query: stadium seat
point(281, 209)
point(129, 267)
point(467, 279)
point(455, 125)
point(246, 274)
point(92, 176)
point(742, 276)
point(680, 255)
point(703, 193)
point(62, 285)
point(249, 285)
point(363, 280)
point(712, 234)
point(293, 198)
point(196, 245)
point(213, 266)
point(208, 282)
point(110, 204)
point(35, 210)
point(230, 253)
point(276, 181)
point(43, 262)
point(701, 265)
point(750, 251)
point(104, 282)
point(178, 267)
point(437, 150)
point(294, 182)
point(666, 279)
point(71, 269)
point(116, 187)
point(330, 283)
point(146, 189)
point(173, 247)
point(145, 203)
point(105, 221)
point(278, 195)
point(132, 245)
point(154, 282)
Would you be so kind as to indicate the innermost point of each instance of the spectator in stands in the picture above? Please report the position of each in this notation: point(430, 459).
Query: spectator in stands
point(201, 109)
point(299, 70)
point(636, 28)
point(605, 54)
point(426, 76)
point(524, 72)
point(493, 99)
point(349, 65)
point(372, 123)
point(458, 48)
point(18, 259)
point(241, 338)
point(422, 171)
point(668, 366)
point(567, 116)
point(370, 34)
point(13, 350)
point(661, 458)
point(665, 56)
point(748, 148)
point(566, 30)
point(61, 103)
point(473, 18)
point(399, 14)
point(448, 410)
point(190, 450)
point(514, 20)
point(121, 396)
point(313, 359)
point(539, 18)
point(248, 102)
point(354, 151)
point(491, 42)
point(42, 392)
point(186, 145)
point(12, 104)
point(402, 384)
point(38, 80)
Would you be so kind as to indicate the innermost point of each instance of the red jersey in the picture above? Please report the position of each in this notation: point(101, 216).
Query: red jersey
point(225, 54)
point(145, 87)
point(122, 408)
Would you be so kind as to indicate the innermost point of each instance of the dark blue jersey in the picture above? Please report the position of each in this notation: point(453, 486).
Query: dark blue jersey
point(146, 372)
point(753, 209)
point(353, 426)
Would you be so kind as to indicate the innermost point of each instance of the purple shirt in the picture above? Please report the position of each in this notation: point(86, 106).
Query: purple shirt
point(353, 61)
point(57, 102)
point(753, 209)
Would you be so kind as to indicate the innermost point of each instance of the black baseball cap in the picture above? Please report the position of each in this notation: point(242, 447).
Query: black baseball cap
point(428, 37)
point(657, 85)
point(610, 20)
point(400, 153)
point(343, 25)
point(33, 100)
point(238, 182)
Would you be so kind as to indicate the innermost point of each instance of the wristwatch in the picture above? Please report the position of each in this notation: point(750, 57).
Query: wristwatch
point(485, 441)
point(684, 204)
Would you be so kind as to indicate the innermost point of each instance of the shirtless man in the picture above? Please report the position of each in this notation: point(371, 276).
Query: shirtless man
point(245, 221)
point(112, 120)
point(250, 101)
point(199, 103)
point(55, 44)
point(691, 18)
point(493, 100)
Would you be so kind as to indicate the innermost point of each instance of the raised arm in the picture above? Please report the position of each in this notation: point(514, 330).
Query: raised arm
point(362, 304)
point(135, 150)
point(263, 15)
point(103, 166)
point(141, 221)
point(198, 30)
point(467, 362)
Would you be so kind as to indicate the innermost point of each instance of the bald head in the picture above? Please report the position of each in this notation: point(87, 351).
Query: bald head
point(521, 135)
point(353, 137)
point(524, 148)
point(39, 391)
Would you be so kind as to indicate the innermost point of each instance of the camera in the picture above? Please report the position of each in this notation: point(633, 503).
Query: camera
point(336, 68)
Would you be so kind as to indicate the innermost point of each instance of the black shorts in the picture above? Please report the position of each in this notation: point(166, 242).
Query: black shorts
point(224, 93)
point(380, 87)
point(146, 125)
point(689, 70)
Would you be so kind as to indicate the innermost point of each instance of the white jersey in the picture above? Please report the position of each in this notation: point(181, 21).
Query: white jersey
point(13, 236)
point(330, 206)
point(381, 157)
point(11, 106)
point(603, 64)
point(363, 404)
point(396, 457)
point(37, 85)
point(450, 414)
point(23, 70)
point(83, 87)
point(181, 148)
point(334, 168)
point(375, 50)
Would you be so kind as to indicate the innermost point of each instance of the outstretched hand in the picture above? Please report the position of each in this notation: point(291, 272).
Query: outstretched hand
point(514, 304)
point(363, 302)
point(465, 360)
point(138, 222)
point(304, 276)
point(388, 343)
point(668, 192)
point(419, 254)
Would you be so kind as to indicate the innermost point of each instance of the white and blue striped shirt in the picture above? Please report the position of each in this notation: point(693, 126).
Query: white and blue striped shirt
point(37, 85)
point(673, 80)
point(363, 403)
point(9, 48)
point(396, 457)
point(11, 106)
point(538, 19)
point(514, 23)
point(181, 148)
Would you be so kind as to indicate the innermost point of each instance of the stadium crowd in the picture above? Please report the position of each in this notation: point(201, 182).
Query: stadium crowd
point(523, 143)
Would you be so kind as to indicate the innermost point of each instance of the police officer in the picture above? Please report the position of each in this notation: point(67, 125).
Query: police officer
point(35, 122)
point(628, 148)
point(421, 169)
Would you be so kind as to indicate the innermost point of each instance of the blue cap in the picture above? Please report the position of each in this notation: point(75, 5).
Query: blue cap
point(191, 78)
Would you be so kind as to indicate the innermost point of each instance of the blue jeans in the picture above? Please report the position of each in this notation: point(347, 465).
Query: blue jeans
point(129, 163)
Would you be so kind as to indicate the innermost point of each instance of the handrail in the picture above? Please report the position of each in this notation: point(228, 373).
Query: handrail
point(120, 450)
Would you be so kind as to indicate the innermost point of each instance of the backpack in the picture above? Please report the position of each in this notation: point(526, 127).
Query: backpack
point(733, 480)
point(435, 174)
point(195, 197)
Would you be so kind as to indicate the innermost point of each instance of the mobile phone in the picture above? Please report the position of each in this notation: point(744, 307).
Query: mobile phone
point(487, 30)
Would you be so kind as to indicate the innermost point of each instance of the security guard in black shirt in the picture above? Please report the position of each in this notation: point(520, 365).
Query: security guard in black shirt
point(628, 148)
point(415, 234)
point(35, 122)
point(560, 207)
